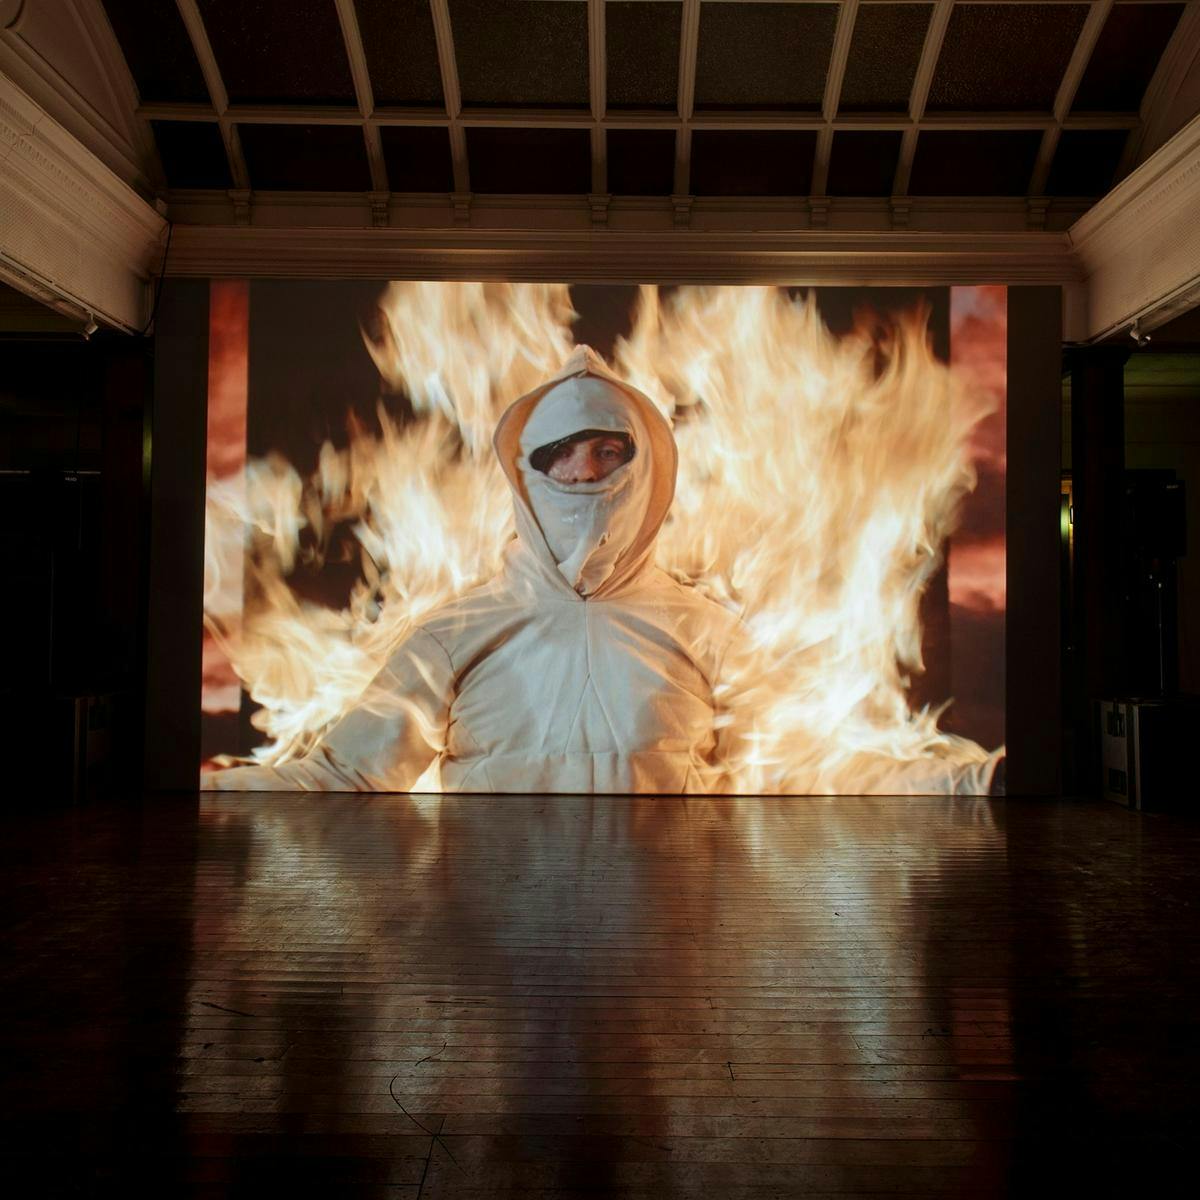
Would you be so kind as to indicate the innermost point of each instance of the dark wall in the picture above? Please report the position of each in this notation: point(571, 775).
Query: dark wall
point(1033, 690)
point(176, 571)
point(72, 520)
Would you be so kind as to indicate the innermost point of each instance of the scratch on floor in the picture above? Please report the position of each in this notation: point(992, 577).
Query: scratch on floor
point(237, 1012)
point(431, 1057)
point(435, 1137)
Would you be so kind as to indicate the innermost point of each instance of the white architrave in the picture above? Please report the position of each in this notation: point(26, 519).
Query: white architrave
point(72, 234)
point(1140, 245)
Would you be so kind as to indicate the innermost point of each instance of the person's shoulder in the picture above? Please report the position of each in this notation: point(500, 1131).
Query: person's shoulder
point(464, 616)
point(689, 594)
point(691, 604)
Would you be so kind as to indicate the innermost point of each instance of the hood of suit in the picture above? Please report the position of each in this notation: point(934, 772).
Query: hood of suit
point(588, 539)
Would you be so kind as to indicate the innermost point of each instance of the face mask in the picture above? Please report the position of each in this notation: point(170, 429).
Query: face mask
point(587, 526)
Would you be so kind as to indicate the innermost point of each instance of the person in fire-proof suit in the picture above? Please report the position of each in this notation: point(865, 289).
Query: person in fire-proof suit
point(582, 666)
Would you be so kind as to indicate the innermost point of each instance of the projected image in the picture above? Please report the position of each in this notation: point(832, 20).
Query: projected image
point(604, 539)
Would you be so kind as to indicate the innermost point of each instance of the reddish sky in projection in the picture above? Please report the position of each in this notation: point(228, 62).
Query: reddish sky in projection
point(978, 349)
point(228, 386)
point(228, 376)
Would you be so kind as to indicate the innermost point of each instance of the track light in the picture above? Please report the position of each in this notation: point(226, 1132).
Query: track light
point(90, 327)
point(1140, 338)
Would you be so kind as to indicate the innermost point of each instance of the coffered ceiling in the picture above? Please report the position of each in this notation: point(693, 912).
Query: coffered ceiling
point(648, 98)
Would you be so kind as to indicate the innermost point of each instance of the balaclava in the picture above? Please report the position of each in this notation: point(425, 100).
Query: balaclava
point(587, 526)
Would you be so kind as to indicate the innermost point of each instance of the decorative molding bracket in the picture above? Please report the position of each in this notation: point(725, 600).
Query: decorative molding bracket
point(379, 202)
point(241, 199)
point(1036, 208)
point(598, 204)
point(69, 228)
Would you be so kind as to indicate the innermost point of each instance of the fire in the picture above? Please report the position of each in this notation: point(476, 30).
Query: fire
point(820, 478)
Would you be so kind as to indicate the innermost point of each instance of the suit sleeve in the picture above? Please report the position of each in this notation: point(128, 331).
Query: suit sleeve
point(382, 745)
point(732, 710)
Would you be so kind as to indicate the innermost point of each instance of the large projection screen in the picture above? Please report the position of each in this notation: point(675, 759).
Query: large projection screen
point(392, 602)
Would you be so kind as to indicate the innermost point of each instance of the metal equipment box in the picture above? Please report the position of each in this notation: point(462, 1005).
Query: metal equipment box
point(1148, 751)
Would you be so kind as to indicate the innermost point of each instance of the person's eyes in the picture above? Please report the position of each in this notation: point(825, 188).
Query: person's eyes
point(611, 452)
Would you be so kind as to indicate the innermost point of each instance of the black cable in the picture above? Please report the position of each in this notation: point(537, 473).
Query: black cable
point(158, 284)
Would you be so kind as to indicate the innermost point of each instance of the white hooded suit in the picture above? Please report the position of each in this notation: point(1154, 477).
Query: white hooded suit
point(582, 667)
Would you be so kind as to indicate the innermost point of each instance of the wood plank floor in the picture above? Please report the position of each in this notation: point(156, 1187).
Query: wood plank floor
point(467, 997)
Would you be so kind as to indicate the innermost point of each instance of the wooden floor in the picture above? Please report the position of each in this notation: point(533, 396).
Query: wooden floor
point(420, 997)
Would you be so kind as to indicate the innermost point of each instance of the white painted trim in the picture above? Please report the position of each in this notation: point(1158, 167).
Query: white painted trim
point(68, 225)
point(127, 147)
point(1140, 244)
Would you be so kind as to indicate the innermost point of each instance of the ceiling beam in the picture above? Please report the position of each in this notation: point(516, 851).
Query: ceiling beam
point(571, 118)
point(1089, 35)
point(598, 93)
point(448, 65)
point(352, 37)
point(689, 43)
point(919, 96)
point(842, 35)
point(202, 47)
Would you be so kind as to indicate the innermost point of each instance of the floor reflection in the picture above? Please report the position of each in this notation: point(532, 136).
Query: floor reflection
point(602, 994)
point(413, 998)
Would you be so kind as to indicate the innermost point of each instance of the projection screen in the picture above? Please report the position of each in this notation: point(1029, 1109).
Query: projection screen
point(494, 537)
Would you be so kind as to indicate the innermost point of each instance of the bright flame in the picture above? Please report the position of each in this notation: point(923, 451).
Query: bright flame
point(819, 480)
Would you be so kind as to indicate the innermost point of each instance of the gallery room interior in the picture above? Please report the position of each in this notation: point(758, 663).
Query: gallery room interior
point(603, 597)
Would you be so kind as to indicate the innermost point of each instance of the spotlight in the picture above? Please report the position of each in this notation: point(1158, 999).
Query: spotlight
point(90, 327)
point(1140, 338)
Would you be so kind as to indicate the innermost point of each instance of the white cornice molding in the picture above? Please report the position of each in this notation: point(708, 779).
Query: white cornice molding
point(113, 132)
point(816, 257)
point(69, 227)
point(1140, 245)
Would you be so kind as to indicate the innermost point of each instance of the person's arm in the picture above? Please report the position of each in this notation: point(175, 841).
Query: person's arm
point(732, 712)
point(382, 745)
